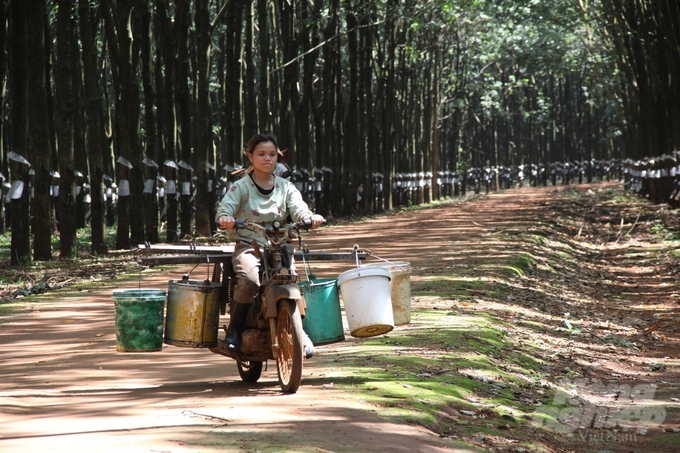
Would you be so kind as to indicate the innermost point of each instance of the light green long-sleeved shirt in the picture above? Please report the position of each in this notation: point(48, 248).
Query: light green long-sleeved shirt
point(244, 201)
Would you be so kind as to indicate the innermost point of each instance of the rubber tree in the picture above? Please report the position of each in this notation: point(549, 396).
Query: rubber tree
point(19, 206)
point(39, 143)
point(646, 37)
point(122, 31)
point(94, 127)
point(66, 210)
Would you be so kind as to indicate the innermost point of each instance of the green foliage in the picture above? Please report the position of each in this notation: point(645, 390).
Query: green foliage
point(570, 326)
point(521, 264)
point(663, 232)
point(392, 371)
point(618, 341)
point(84, 240)
point(503, 53)
point(5, 242)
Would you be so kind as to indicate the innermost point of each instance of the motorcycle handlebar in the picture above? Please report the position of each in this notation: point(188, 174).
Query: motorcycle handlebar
point(239, 224)
point(304, 224)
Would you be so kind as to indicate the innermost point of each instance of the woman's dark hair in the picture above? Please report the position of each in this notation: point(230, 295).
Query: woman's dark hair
point(261, 138)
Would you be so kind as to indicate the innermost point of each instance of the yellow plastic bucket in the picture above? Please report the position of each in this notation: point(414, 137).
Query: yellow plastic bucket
point(193, 313)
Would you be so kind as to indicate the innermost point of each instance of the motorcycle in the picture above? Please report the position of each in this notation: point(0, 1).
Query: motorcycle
point(273, 329)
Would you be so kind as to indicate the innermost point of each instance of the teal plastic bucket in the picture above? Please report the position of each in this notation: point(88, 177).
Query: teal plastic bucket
point(323, 318)
point(139, 319)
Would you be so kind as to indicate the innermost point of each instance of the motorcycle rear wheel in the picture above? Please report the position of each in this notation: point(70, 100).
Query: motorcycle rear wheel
point(290, 338)
point(249, 371)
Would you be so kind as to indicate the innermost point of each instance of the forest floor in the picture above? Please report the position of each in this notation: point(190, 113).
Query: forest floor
point(543, 320)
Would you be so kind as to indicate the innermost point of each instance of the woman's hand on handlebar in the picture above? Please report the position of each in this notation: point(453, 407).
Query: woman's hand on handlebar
point(317, 220)
point(225, 222)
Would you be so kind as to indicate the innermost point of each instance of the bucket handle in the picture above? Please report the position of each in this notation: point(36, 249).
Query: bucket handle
point(305, 265)
point(383, 259)
point(309, 276)
point(188, 274)
point(207, 260)
point(396, 266)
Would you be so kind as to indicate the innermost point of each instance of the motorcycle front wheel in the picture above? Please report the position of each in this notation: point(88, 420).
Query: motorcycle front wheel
point(249, 371)
point(290, 338)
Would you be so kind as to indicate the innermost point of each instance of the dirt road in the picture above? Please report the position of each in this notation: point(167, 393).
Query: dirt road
point(64, 387)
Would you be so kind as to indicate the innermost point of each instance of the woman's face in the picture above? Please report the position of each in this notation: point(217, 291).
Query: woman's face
point(264, 157)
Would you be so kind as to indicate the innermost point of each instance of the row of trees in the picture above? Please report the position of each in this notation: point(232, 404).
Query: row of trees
point(644, 36)
point(128, 90)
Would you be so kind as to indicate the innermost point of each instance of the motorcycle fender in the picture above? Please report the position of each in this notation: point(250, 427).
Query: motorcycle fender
point(274, 293)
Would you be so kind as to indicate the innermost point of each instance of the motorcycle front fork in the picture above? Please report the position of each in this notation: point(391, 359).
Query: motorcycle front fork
point(276, 351)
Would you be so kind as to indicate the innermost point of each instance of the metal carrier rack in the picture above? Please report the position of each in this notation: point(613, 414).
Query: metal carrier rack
point(168, 254)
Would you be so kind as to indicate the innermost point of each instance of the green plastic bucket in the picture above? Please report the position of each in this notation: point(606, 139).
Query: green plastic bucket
point(139, 319)
point(323, 318)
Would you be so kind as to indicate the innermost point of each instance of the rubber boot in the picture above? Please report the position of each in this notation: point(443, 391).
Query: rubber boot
point(237, 322)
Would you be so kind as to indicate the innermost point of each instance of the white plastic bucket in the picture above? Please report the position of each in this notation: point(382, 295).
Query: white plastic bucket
point(400, 284)
point(366, 294)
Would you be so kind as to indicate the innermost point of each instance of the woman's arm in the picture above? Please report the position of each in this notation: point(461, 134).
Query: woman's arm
point(298, 209)
point(228, 207)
